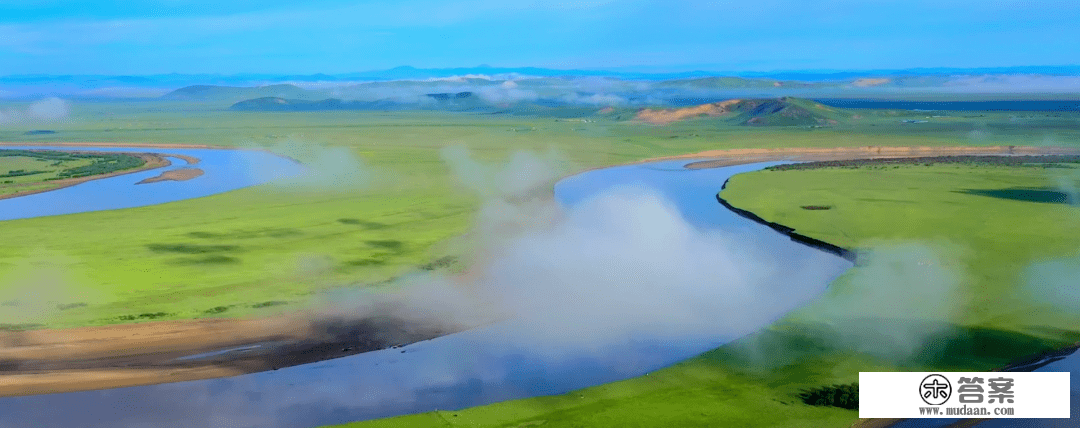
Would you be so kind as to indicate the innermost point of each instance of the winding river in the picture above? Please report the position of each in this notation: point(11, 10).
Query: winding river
point(461, 370)
point(470, 368)
point(223, 170)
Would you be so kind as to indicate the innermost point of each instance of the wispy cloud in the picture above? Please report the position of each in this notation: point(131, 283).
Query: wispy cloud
point(44, 111)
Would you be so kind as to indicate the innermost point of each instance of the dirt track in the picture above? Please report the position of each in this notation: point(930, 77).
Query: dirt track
point(49, 361)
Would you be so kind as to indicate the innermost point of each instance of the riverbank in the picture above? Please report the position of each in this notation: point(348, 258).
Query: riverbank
point(33, 366)
point(53, 361)
point(959, 202)
point(190, 160)
point(739, 156)
point(151, 161)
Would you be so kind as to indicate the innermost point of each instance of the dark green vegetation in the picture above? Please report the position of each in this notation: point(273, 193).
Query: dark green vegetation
point(1042, 195)
point(786, 112)
point(843, 396)
point(1049, 161)
point(27, 170)
point(102, 164)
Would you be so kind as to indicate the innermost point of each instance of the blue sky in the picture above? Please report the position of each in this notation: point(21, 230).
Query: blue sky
point(331, 36)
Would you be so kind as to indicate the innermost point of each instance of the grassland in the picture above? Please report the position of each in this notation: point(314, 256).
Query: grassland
point(272, 248)
point(275, 248)
point(24, 172)
point(251, 249)
point(988, 235)
point(999, 220)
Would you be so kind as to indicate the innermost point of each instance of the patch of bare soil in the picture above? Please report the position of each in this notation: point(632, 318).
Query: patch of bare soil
point(191, 160)
point(868, 82)
point(51, 361)
point(666, 116)
point(183, 174)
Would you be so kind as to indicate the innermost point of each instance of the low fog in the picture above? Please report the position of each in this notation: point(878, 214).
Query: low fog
point(624, 266)
point(502, 90)
point(563, 297)
point(36, 287)
point(44, 111)
point(904, 296)
point(325, 167)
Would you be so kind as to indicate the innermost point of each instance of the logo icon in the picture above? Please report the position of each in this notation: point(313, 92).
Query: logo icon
point(935, 390)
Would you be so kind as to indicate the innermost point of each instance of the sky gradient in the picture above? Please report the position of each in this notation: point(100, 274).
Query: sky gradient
point(331, 36)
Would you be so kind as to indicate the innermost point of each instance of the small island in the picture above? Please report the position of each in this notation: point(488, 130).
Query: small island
point(182, 174)
point(26, 172)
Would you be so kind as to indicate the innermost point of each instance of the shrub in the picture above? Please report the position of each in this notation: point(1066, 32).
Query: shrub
point(843, 396)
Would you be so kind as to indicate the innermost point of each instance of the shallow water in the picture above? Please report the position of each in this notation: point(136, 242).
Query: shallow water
point(223, 170)
point(461, 370)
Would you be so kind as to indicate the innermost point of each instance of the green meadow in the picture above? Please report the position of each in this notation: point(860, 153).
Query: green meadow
point(991, 222)
point(944, 283)
point(23, 171)
point(277, 247)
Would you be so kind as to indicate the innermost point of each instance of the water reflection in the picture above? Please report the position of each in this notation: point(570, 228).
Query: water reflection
point(480, 366)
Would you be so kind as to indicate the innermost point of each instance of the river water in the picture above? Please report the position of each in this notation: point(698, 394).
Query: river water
point(223, 170)
point(466, 369)
point(1061, 363)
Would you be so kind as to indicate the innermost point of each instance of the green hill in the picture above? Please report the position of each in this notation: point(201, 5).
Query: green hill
point(236, 93)
point(288, 104)
point(785, 112)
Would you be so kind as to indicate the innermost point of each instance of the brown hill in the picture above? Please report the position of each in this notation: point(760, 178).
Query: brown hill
point(666, 116)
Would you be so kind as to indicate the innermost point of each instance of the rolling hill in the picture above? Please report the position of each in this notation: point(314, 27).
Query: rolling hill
point(237, 93)
point(785, 111)
point(289, 104)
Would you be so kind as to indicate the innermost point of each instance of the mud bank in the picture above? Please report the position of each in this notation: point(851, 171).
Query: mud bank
point(79, 359)
point(174, 175)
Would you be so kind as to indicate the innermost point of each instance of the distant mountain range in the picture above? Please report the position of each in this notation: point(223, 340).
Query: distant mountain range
point(492, 84)
point(753, 112)
point(412, 73)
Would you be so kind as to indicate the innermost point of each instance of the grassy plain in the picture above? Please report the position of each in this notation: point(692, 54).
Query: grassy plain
point(996, 220)
point(250, 250)
point(987, 232)
point(24, 171)
point(274, 248)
